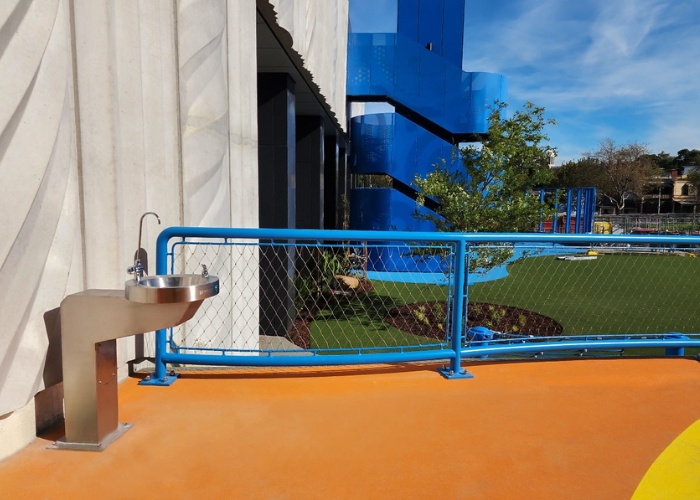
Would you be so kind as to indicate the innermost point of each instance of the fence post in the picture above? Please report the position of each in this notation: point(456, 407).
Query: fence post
point(459, 310)
point(160, 375)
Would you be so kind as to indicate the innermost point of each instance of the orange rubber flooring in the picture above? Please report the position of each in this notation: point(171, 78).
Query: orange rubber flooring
point(585, 429)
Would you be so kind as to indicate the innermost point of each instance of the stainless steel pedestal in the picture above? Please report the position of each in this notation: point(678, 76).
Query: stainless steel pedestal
point(91, 321)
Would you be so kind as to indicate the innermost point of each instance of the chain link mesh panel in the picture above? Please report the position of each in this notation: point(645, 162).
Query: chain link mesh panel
point(327, 298)
point(557, 292)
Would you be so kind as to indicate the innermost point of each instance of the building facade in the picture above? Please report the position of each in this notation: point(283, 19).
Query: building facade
point(228, 113)
point(208, 112)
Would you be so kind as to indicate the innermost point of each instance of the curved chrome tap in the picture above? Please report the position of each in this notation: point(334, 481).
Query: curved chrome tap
point(137, 268)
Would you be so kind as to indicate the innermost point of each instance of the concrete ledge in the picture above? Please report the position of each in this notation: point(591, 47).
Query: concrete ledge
point(17, 430)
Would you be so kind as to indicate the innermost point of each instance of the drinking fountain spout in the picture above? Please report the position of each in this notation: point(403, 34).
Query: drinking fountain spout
point(137, 268)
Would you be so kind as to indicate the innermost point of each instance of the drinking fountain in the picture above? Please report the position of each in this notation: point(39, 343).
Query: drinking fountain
point(92, 320)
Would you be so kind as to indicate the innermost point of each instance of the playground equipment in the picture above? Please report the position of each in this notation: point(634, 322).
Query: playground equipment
point(578, 214)
point(602, 228)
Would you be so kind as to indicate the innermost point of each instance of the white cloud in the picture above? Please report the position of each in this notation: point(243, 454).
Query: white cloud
point(601, 61)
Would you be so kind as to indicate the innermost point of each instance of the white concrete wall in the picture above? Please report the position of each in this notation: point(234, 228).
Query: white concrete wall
point(111, 108)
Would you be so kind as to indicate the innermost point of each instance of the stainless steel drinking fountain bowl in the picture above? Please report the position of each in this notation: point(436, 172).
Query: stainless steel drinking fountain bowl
point(171, 288)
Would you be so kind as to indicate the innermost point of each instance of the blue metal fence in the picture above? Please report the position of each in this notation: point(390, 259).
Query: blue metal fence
point(264, 270)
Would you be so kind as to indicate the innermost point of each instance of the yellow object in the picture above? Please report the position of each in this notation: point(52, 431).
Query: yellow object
point(591, 252)
point(602, 228)
point(676, 472)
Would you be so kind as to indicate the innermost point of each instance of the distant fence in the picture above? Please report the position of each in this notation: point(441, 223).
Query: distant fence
point(683, 224)
point(309, 297)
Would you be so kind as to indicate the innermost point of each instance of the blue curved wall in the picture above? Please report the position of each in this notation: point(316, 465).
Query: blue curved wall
point(385, 209)
point(388, 143)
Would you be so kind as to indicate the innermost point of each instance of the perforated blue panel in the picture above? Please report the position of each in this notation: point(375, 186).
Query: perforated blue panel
point(390, 144)
point(400, 71)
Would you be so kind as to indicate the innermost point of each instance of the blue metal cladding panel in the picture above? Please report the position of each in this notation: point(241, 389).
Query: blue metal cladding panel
point(431, 90)
point(385, 209)
point(408, 19)
point(453, 31)
point(371, 209)
point(405, 152)
point(457, 104)
point(440, 22)
point(388, 210)
point(431, 151)
point(430, 24)
point(486, 89)
point(407, 72)
point(399, 70)
point(463, 96)
point(388, 143)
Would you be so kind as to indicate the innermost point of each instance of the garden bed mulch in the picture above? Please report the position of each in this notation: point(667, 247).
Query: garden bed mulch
point(427, 320)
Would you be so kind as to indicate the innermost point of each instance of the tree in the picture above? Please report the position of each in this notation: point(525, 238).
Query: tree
point(628, 170)
point(687, 157)
point(663, 160)
point(585, 172)
point(491, 190)
point(694, 180)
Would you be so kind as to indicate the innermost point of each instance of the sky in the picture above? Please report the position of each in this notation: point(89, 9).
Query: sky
point(628, 70)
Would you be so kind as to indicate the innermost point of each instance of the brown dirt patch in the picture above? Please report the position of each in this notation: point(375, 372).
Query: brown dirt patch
point(428, 319)
point(300, 332)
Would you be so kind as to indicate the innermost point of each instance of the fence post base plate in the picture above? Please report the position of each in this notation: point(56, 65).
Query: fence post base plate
point(450, 374)
point(164, 382)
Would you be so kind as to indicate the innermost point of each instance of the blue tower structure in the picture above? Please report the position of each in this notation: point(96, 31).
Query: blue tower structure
point(417, 70)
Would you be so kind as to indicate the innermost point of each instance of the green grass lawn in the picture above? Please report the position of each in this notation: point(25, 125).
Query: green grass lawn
point(359, 323)
point(614, 294)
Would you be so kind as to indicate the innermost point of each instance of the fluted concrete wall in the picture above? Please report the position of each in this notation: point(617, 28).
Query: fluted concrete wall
point(219, 159)
point(41, 255)
point(111, 108)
